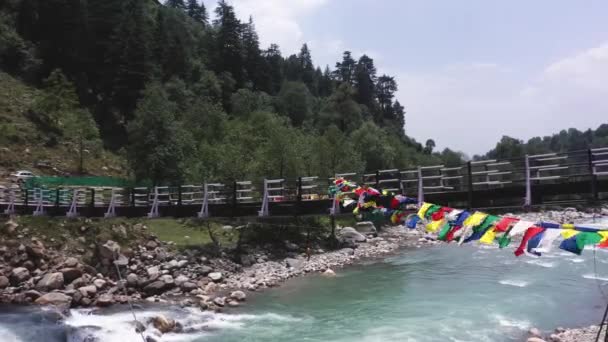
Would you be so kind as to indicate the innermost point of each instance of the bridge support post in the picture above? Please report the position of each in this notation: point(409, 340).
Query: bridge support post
point(420, 187)
point(39, 211)
point(73, 212)
point(154, 209)
point(11, 203)
point(593, 176)
point(204, 213)
point(528, 198)
point(111, 212)
point(470, 184)
point(264, 210)
point(299, 198)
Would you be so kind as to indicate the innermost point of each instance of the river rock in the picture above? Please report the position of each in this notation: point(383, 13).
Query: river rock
point(189, 286)
point(535, 339)
point(168, 280)
point(109, 250)
point(88, 291)
point(534, 332)
point(151, 245)
point(105, 300)
point(238, 295)
point(132, 279)
point(350, 234)
point(292, 247)
point(4, 282)
point(215, 276)
point(70, 262)
point(54, 298)
point(294, 263)
point(32, 294)
point(219, 301)
point(366, 227)
point(36, 249)
point(155, 287)
point(180, 280)
point(205, 270)
point(163, 324)
point(70, 274)
point(50, 281)
point(329, 273)
point(99, 283)
point(153, 272)
point(10, 226)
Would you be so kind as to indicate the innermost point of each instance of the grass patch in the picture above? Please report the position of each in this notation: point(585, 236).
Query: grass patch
point(190, 233)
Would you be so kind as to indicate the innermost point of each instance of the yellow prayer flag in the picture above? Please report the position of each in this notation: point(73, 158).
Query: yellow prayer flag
point(488, 237)
point(423, 209)
point(475, 220)
point(434, 226)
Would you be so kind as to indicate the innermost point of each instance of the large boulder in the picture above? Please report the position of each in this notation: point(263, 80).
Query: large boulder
point(181, 279)
point(153, 272)
point(54, 298)
point(50, 281)
point(366, 227)
point(70, 262)
point(109, 250)
point(132, 279)
point(350, 234)
point(163, 324)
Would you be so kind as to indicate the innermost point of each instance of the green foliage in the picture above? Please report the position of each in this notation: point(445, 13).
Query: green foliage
point(158, 145)
point(294, 102)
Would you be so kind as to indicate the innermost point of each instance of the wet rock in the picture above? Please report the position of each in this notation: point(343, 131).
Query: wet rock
point(560, 330)
point(4, 282)
point(205, 270)
point(238, 295)
point(534, 332)
point(139, 327)
point(105, 300)
point(219, 301)
point(535, 339)
point(215, 276)
point(163, 324)
point(109, 250)
point(70, 274)
point(329, 273)
point(189, 286)
point(54, 298)
point(50, 281)
point(347, 251)
point(32, 294)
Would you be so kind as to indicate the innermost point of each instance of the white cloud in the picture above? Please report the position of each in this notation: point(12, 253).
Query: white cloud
point(469, 107)
point(277, 20)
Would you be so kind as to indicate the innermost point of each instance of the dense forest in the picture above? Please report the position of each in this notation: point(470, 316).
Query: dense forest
point(566, 140)
point(186, 95)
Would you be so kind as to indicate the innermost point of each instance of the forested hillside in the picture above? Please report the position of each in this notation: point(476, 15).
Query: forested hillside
point(566, 140)
point(186, 93)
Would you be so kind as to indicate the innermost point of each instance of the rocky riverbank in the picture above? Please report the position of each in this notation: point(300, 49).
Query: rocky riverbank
point(586, 334)
point(152, 270)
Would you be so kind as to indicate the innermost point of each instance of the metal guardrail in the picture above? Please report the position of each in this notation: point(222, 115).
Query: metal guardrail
point(530, 171)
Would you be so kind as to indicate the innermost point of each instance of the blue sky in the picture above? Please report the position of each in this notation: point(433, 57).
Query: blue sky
point(469, 71)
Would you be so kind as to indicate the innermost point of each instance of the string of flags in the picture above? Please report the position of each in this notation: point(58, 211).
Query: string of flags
point(462, 226)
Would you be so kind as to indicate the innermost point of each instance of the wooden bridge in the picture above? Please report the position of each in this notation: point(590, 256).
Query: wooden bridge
point(575, 176)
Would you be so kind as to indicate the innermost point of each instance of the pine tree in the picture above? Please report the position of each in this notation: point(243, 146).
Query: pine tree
point(197, 12)
point(306, 69)
point(274, 63)
point(345, 70)
point(178, 4)
point(385, 89)
point(399, 113)
point(326, 83)
point(229, 45)
point(253, 56)
point(365, 78)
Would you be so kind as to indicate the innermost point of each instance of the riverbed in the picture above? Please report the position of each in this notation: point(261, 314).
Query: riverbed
point(439, 293)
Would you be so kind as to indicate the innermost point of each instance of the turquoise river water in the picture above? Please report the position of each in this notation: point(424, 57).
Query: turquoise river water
point(441, 293)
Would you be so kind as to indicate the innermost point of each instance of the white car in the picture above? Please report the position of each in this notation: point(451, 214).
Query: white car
point(21, 176)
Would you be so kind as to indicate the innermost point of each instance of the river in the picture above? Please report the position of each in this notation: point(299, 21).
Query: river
point(441, 293)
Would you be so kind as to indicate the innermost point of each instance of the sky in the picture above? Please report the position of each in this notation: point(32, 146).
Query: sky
point(470, 71)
